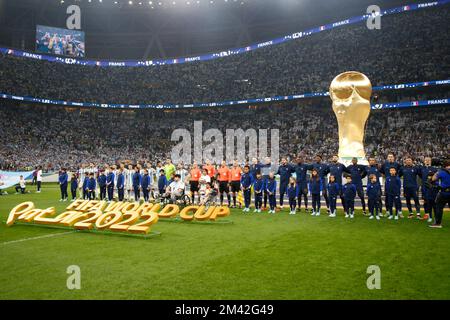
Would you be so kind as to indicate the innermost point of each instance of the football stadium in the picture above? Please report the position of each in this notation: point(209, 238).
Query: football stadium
point(229, 150)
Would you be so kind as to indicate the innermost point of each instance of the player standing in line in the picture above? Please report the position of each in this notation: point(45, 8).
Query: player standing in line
point(392, 189)
point(301, 170)
point(235, 184)
point(224, 178)
point(285, 171)
point(137, 180)
point(120, 184)
point(92, 184)
point(373, 194)
point(63, 181)
point(349, 191)
point(110, 185)
point(180, 171)
point(73, 186)
point(358, 172)
point(102, 184)
point(322, 170)
point(255, 168)
point(334, 190)
point(271, 188)
point(374, 169)
point(424, 174)
point(386, 166)
point(129, 182)
point(194, 177)
point(258, 189)
point(410, 173)
point(146, 183)
point(246, 186)
point(266, 168)
point(337, 169)
point(292, 193)
point(315, 187)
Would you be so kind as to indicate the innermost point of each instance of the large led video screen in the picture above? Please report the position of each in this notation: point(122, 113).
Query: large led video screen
point(60, 41)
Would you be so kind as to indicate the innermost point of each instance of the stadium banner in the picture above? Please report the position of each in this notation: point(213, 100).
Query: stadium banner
point(11, 178)
point(60, 41)
point(244, 101)
point(221, 54)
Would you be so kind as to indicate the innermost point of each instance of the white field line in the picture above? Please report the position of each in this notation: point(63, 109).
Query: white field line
point(37, 238)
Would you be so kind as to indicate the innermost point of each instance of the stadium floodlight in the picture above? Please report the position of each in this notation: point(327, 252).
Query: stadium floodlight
point(130, 2)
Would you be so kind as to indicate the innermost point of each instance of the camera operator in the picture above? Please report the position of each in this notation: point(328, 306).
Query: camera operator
point(443, 197)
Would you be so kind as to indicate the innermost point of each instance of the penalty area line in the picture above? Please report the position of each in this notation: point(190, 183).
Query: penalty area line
point(37, 238)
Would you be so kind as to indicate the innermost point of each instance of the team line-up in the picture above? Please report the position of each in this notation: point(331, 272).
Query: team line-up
point(297, 181)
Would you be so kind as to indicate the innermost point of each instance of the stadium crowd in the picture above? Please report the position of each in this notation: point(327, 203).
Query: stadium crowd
point(408, 48)
point(55, 137)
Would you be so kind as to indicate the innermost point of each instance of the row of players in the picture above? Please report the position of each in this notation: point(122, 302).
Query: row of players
point(294, 182)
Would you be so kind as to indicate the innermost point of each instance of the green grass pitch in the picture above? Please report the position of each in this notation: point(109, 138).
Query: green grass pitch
point(259, 256)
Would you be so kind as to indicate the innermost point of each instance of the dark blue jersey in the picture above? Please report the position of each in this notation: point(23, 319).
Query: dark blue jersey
point(136, 179)
point(246, 180)
point(393, 185)
point(271, 185)
point(145, 181)
point(110, 179)
point(424, 171)
point(92, 184)
point(285, 172)
point(387, 165)
point(315, 185)
point(349, 191)
point(63, 178)
point(409, 174)
point(373, 190)
point(375, 170)
point(336, 170)
point(74, 183)
point(258, 185)
point(101, 180)
point(358, 172)
point(292, 191)
point(333, 189)
point(162, 182)
point(301, 171)
point(255, 169)
point(321, 168)
point(120, 181)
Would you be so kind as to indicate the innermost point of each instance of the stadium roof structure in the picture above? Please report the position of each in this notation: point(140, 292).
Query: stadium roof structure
point(120, 29)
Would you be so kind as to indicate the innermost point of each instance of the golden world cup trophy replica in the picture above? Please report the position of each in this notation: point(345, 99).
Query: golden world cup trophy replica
point(350, 92)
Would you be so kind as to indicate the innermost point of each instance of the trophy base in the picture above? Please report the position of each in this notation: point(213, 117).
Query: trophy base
point(348, 160)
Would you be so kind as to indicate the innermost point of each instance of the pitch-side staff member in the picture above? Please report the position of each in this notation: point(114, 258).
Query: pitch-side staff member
point(443, 197)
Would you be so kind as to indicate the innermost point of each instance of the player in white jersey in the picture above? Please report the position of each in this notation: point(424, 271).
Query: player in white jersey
point(82, 175)
point(182, 172)
point(129, 196)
